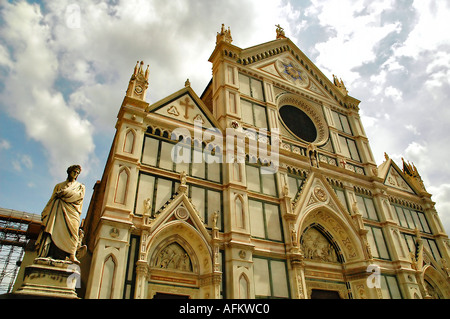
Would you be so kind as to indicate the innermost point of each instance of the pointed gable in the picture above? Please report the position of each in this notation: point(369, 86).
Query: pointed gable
point(283, 60)
point(287, 69)
point(395, 179)
point(317, 192)
point(393, 176)
point(185, 106)
point(317, 203)
point(180, 208)
point(178, 222)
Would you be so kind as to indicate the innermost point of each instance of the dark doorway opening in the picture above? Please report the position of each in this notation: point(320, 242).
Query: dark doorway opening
point(324, 294)
point(160, 295)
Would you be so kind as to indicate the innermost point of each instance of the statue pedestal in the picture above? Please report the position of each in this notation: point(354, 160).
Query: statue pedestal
point(50, 278)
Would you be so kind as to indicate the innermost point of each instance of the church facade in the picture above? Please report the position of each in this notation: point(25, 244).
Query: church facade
point(264, 186)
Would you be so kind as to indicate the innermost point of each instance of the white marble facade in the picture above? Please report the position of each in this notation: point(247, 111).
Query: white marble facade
point(328, 218)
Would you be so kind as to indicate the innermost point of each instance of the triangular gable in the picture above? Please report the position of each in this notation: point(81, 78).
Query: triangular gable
point(185, 106)
point(180, 208)
point(178, 222)
point(317, 192)
point(287, 69)
point(262, 56)
point(315, 202)
point(394, 178)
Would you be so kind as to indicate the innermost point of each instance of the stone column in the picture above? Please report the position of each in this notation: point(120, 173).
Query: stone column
point(216, 277)
point(142, 268)
point(210, 286)
point(298, 275)
point(142, 273)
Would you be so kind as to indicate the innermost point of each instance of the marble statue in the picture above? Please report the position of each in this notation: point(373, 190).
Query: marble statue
point(59, 236)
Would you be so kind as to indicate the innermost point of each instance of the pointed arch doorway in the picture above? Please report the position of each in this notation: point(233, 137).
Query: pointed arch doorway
point(174, 270)
point(179, 264)
point(178, 257)
point(324, 294)
point(324, 272)
point(160, 295)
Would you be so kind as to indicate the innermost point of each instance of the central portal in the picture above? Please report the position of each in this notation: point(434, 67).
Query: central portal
point(324, 294)
point(160, 295)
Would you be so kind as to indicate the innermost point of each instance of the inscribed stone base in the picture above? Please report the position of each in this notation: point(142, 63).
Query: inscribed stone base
point(50, 278)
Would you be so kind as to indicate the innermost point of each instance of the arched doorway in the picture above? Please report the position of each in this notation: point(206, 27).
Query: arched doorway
point(435, 284)
point(324, 294)
point(180, 264)
point(323, 264)
point(174, 270)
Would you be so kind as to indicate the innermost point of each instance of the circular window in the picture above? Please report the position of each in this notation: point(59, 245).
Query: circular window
point(302, 119)
point(298, 123)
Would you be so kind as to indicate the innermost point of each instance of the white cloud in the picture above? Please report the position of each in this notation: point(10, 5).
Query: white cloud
point(438, 71)
point(428, 44)
point(430, 29)
point(5, 59)
point(391, 65)
point(395, 94)
point(27, 161)
point(412, 129)
point(4, 144)
point(418, 154)
point(378, 81)
point(112, 36)
point(30, 95)
point(440, 60)
point(410, 81)
point(368, 121)
point(441, 195)
point(415, 149)
point(356, 30)
point(70, 63)
point(22, 161)
point(16, 166)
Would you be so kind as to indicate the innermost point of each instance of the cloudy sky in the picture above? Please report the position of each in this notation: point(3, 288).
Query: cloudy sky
point(65, 66)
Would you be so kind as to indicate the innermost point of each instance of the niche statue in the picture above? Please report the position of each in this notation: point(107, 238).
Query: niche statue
point(60, 234)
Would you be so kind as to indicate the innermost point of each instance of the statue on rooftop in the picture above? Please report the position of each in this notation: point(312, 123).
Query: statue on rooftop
point(224, 35)
point(280, 32)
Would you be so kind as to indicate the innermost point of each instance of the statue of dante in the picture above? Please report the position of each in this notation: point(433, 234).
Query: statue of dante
point(59, 236)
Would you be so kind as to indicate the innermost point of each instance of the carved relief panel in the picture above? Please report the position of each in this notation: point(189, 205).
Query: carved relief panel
point(316, 247)
point(173, 257)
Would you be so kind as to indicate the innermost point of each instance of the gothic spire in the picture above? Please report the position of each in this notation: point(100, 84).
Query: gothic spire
point(224, 35)
point(138, 84)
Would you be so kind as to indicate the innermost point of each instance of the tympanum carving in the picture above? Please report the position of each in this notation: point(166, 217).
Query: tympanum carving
point(173, 257)
point(317, 247)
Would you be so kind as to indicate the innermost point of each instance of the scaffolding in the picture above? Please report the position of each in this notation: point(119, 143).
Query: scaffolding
point(14, 227)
